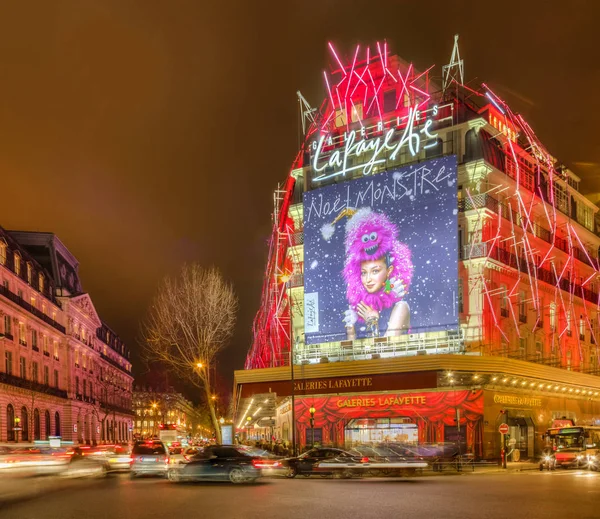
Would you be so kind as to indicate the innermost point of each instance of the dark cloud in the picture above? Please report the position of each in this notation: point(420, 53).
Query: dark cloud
point(148, 133)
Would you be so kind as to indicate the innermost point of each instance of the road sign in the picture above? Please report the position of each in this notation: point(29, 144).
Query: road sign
point(503, 429)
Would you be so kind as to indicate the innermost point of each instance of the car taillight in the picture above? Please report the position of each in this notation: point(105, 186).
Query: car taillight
point(276, 464)
point(186, 457)
point(364, 459)
point(166, 460)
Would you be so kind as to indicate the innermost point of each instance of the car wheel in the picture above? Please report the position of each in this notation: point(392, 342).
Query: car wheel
point(291, 473)
point(236, 475)
point(173, 475)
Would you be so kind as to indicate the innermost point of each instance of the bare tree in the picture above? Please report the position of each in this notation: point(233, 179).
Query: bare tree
point(191, 319)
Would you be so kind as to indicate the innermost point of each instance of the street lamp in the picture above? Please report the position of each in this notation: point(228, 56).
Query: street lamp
point(17, 428)
point(312, 412)
point(221, 420)
point(199, 365)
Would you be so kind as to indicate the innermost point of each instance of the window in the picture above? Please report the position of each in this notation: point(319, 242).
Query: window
point(585, 216)
point(22, 367)
point(77, 358)
point(37, 426)
point(24, 424)
point(76, 385)
point(581, 328)
point(32, 301)
point(34, 371)
point(539, 352)
point(8, 363)
point(56, 424)
point(84, 387)
point(568, 323)
point(522, 308)
point(10, 423)
point(460, 296)
point(84, 360)
point(22, 339)
point(91, 390)
point(17, 260)
point(46, 376)
point(503, 301)
point(34, 339)
point(56, 378)
point(569, 360)
point(56, 350)
point(41, 282)
point(522, 347)
point(2, 252)
point(552, 316)
point(44, 308)
point(7, 325)
point(45, 341)
point(29, 273)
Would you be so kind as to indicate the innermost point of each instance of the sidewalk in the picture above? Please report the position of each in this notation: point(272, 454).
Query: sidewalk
point(485, 468)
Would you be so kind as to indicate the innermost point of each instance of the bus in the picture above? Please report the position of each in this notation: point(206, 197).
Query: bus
point(572, 447)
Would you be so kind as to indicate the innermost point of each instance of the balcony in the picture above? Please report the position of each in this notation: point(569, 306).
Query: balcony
point(522, 318)
point(15, 381)
point(488, 202)
point(449, 342)
point(79, 396)
point(478, 250)
point(117, 409)
point(31, 309)
point(23, 342)
point(114, 363)
point(503, 312)
point(35, 348)
point(46, 354)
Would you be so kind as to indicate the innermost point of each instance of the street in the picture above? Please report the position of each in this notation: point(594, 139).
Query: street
point(559, 494)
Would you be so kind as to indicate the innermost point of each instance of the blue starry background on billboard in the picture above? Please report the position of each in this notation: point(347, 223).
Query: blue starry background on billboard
point(421, 201)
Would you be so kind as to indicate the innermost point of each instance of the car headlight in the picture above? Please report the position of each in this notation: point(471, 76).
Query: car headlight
point(547, 458)
point(580, 457)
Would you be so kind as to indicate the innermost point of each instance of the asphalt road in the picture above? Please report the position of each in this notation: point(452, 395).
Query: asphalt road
point(561, 494)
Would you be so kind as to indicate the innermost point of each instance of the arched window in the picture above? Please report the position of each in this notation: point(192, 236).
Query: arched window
point(10, 423)
point(47, 424)
point(37, 426)
point(24, 424)
point(56, 424)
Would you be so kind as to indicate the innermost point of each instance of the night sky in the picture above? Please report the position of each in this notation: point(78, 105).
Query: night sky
point(150, 133)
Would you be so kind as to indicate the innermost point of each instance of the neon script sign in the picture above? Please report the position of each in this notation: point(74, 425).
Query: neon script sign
point(371, 150)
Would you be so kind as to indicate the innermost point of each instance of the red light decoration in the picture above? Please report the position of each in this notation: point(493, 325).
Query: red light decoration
point(360, 83)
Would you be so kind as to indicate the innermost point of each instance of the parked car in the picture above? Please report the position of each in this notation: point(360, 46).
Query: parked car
point(218, 463)
point(149, 458)
point(305, 463)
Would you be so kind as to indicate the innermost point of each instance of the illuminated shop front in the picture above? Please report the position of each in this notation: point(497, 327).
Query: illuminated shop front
point(407, 418)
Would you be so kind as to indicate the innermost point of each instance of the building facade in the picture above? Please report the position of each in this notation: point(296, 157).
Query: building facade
point(64, 373)
point(155, 408)
point(487, 256)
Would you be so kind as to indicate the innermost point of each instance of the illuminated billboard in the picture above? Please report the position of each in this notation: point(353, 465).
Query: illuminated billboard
point(381, 254)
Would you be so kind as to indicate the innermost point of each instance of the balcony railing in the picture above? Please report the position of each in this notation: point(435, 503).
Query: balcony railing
point(381, 347)
point(31, 309)
point(15, 381)
point(114, 363)
point(480, 250)
point(488, 202)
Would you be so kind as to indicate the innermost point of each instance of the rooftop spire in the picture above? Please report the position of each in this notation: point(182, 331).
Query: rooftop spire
point(455, 70)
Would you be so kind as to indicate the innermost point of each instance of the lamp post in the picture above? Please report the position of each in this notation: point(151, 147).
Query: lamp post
point(312, 412)
point(17, 428)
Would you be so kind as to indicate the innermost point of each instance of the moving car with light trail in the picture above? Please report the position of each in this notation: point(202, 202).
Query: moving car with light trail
point(218, 463)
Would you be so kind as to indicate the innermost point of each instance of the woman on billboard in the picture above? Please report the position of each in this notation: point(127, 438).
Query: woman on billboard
point(378, 271)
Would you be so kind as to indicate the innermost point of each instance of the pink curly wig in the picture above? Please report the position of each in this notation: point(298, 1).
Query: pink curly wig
point(371, 236)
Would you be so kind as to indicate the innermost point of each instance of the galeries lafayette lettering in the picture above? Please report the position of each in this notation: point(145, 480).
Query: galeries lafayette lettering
point(383, 401)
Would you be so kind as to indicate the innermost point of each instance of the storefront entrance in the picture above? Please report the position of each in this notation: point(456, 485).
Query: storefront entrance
point(521, 438)
point(378, 430)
